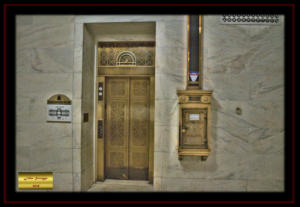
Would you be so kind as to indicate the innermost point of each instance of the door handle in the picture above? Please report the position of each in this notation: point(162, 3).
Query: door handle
point(184, 129)
point(100, 129)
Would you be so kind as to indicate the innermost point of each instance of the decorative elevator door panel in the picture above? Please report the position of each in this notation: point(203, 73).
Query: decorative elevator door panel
point(127, 128)
point(117, 124)
point(139, 129)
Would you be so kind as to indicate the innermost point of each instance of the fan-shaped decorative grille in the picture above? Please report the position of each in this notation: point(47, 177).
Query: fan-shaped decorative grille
point(126, 58)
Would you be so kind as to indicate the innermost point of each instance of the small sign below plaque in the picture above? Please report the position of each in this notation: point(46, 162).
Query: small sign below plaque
point(194, 76)
point(59, 109)
point(194, 117)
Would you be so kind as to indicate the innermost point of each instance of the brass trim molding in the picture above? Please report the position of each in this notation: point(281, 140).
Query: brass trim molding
point(127, 44)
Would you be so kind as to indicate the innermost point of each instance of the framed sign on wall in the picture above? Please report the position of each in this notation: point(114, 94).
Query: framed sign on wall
point(59, 109)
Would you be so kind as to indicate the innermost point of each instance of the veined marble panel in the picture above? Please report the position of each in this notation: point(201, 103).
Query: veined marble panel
point(172, 33)
point(77, 85)
point(166, 113)
point(166, 138)
point(78, 59)
point(229, 86)
point(51, 159)
point(171, 60)
point(77, 104)
point(254, 114)
point(268, 144)
point(45, 36)
point(53, 19)
point(43, 85)
point(77, 182)
point(157, 183)
point(167, 84)
point(76, 131)
point(245, 69)
point(160, 161)
point(226, 166)
point(44, 135)
point(78, 36)
point(76, 160)
point(23, 158)
point(45, 60)
point(62, 182)
point(23, 60)
point(52, 60)
point(83, 158)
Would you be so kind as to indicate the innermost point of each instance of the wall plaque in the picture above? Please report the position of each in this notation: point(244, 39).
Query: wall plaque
point(59, 109)
point(35, 180)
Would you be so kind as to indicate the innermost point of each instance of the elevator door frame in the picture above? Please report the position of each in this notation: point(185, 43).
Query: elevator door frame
point(100, 115)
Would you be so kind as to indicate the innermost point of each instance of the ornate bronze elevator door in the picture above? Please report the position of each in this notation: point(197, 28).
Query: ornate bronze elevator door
point(127, 128)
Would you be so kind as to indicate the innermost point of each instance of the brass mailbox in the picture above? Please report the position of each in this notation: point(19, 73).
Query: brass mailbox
point(194, 123)
point(194, 103)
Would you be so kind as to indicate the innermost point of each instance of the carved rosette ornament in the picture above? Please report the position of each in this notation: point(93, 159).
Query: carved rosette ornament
point(183, 99)
point(205, 99)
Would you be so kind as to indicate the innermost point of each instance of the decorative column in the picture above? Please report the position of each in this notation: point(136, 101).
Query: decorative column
point(194, 103)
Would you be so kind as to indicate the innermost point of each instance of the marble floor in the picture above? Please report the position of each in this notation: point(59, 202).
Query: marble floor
point(110, 185)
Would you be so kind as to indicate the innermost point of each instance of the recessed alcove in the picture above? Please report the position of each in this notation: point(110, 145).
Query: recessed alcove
point(93, 33)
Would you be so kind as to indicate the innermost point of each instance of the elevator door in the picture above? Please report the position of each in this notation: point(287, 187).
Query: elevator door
point(127, 128)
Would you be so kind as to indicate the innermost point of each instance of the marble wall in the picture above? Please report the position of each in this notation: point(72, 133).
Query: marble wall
point(88, 91)
point(243, 65)
point(44, 67)
point(245, 68)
